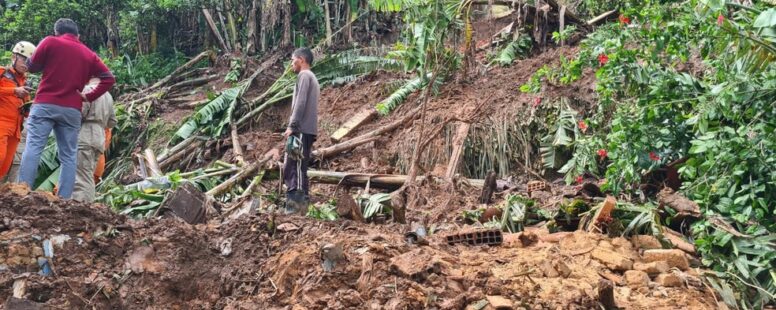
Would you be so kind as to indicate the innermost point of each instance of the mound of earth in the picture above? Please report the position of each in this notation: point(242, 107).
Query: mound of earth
point(266, 261)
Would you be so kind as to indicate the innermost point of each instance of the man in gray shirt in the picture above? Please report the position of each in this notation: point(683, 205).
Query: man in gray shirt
point(301, 132)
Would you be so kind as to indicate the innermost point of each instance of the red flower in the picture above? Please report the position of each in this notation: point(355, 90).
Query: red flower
point(603, 59)
point(653, 156)
point(537, 102)
point(582, 125)
point(602, 153)
point(624, 20)
point(720, 19)
point(580, 179)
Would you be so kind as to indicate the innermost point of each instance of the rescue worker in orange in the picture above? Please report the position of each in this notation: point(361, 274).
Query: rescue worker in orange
point(13, 95)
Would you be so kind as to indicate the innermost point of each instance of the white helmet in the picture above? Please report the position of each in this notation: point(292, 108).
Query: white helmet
point(24, 48)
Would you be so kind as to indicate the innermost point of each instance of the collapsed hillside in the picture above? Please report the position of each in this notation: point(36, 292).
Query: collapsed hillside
point(266, 261)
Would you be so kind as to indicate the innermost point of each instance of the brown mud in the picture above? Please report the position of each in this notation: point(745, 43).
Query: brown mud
point(107, 261)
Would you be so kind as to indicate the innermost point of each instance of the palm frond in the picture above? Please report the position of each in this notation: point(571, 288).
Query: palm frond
point(512, 51)
point(398, 96)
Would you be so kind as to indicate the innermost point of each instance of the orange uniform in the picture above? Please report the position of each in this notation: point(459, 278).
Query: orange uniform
point(10, 117)
point(100, 168)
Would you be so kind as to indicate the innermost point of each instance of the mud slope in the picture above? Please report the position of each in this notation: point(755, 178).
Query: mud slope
point(105, 261)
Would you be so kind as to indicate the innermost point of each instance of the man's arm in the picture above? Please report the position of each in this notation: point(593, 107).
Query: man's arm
point(301, 103)
point(37, 62)
point(107, 80)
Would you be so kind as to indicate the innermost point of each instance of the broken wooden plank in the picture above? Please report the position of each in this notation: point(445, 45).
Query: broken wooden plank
point(683, 206)
point(603, 213)
point(354, 122)
point(458, 141)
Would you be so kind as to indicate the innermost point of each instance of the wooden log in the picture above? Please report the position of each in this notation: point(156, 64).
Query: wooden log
point(354, 122)
point(364, 282)
point(214, 29)
point(152, 163)
point(365, 138)
point(237, 147)
point(142, 166)
point(601, 18)
point(244, 173)
point(455, 158)
point(179, 70)
point(180, 154)
point(382, 181)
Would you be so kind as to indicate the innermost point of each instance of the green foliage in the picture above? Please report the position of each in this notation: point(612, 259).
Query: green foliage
point(323, 211)
point(472, 216)
point(719, 119)
point(564, 35)
point(235, 70)
point(143, 70)
point(515, 210)
point(513, 50)
point(374, 204)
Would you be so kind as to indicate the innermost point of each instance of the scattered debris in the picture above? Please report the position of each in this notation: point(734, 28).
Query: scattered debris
point(669, 280)
point(635, 278)
point(613, 260)
point(188, 203)
point(652, 268)
point(606, 294)
point(226, 247)
point(499, 302)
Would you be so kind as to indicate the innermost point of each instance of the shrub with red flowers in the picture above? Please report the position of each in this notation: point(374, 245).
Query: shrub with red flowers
point(624, 20)
point(602, 153)
point(602, 59)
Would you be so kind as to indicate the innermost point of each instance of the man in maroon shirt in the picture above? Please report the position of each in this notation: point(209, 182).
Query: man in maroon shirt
point(67, 65)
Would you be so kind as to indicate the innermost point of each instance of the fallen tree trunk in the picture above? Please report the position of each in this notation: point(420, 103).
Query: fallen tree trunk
point(382, 181)
point(353, 123)
point(600, 18)
point(178, 71)
point(365, 138)
point(245, 172)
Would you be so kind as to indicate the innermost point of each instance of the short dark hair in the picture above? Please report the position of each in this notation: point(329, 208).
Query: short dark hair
point(305, 53)
point(65, 25)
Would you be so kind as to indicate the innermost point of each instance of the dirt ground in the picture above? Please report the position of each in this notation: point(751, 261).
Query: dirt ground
point(107, 261)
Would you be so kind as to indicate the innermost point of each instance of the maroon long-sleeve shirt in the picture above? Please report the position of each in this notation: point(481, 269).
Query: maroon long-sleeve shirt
point(67, 66)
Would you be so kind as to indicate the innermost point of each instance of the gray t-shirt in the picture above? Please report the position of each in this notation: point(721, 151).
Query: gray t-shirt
point(304, 105)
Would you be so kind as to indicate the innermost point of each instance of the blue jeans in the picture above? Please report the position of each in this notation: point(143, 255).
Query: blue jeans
point(65, 122)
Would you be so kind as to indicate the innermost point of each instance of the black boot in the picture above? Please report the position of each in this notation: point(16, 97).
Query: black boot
point(294, 202)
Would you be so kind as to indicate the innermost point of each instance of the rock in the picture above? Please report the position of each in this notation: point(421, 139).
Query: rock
point(652, 268)
point(499, 302)
point(645, 242)
point(674, 258)
point(636, 278)
point(613, 260)
point(13, 303)
point(417, 264)
point(669, 280)
point(548, 270)
point(562, 269)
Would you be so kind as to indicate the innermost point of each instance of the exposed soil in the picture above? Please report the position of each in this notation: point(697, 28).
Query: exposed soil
point(104, 261)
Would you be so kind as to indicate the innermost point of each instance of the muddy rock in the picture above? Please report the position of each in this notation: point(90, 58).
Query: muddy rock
point(645, 242)
point(417, 264)
point(674, 258)
point(562, 269)
point(669, 280)
point(611, 259)
point(652, 268)
point(499, 302)
point(635, 278)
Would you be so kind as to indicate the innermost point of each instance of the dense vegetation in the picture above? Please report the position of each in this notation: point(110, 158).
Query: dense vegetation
point(679, 84)
point(691, 83)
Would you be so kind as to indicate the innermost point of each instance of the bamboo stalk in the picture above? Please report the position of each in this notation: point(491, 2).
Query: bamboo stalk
point(244, 173)
point(237, 147)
